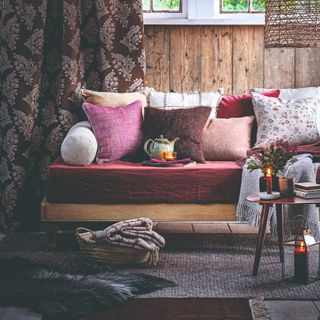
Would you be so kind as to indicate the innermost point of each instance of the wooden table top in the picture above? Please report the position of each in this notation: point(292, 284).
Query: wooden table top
point(293, 200)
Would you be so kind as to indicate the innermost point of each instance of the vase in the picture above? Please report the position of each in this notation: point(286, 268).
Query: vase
point(263, 183)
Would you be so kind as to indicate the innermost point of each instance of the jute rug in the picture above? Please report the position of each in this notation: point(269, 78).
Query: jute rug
point(202, 265)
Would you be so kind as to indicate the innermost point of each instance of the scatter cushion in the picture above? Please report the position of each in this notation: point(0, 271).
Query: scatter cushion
point(175, 100)
point(79, 147)
point(118, 130)
point(240, 106)
point(227, 139)
point(294, 120)
point(112, 98)
point(187, 124)
point(294, 93)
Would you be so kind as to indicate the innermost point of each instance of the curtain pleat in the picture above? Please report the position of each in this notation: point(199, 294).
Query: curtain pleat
point(49, 50)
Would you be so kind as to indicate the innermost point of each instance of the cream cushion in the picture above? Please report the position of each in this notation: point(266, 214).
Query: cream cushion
point(79, 147)
point(113, 99)
point(175, 100)
point(295, 93)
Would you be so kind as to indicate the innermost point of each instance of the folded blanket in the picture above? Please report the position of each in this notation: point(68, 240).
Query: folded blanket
point(135, 233)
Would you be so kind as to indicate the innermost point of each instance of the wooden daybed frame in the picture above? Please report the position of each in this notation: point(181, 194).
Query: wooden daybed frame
point(53, 214)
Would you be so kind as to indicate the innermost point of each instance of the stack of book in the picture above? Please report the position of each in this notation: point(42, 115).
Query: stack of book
point(307, 190)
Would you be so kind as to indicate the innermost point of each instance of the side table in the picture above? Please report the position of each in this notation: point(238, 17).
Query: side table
point(266, 205)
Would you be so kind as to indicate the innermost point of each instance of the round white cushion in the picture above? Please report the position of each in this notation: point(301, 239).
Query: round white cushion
point(80, 146)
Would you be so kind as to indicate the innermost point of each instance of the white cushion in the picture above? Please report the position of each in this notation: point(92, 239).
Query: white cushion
point(296, 93)
point(174, 100)
point(293, 120)
point(79, 147)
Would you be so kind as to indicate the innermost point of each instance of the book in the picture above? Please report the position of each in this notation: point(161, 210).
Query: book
point(308, 191)
point(307, 195)
point(307, 186)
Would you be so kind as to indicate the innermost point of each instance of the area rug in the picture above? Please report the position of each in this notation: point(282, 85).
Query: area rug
point(220, 265)
point(178, 308)
point(202, 265)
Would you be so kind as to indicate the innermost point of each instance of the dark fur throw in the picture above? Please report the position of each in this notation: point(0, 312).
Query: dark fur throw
point(60, 296)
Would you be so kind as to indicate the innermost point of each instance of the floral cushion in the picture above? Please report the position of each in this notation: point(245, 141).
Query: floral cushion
point(294, 121)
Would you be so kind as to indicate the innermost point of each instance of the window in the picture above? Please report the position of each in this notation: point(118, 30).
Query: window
point(204, 12)
point(162, 6)
point(242, 6)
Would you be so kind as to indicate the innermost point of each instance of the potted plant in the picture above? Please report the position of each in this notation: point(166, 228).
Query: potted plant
point(270, 159)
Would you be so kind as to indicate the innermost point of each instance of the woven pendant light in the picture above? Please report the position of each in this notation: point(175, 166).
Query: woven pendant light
point(292, 23)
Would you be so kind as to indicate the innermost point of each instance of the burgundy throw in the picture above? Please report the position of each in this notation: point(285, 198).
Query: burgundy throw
point(128, 182)
point(118, 130)
point(187, 124)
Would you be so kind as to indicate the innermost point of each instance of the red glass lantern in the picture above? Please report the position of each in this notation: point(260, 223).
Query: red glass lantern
point(301, 254)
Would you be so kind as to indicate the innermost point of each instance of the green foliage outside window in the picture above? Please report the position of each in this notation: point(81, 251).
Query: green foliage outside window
point(243, 5)
point(162, 5)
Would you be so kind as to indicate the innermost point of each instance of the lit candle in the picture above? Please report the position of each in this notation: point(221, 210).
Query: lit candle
point(301, 264)
point(269, 181)
point(169, 156)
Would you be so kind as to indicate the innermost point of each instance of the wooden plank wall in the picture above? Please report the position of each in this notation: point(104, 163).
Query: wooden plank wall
point(186, 58)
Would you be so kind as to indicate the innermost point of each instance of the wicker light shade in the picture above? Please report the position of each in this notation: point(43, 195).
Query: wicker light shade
point(292, 23)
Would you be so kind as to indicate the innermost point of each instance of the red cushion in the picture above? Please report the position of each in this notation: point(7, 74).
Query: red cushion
point(240, 106)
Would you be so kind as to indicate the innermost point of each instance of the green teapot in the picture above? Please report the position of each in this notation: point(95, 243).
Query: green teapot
point(155, 148)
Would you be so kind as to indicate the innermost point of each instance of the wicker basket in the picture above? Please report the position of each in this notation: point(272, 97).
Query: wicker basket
point(107, 253)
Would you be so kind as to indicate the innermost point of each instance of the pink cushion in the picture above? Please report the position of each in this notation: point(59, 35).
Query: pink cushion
point(240, 106)
point(228, 139)
point(118, 130)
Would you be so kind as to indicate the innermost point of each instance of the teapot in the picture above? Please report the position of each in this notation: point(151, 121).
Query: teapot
point(155, 148)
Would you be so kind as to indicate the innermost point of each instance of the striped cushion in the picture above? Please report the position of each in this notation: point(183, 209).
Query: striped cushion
point(174, 100)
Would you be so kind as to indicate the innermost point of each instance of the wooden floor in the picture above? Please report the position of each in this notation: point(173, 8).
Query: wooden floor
point(204, 227)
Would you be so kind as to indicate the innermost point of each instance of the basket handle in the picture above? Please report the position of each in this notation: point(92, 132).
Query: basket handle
point(80, 230)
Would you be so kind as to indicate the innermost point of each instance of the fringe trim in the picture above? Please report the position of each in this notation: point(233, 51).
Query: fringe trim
point(258, 309)
point(154, 257)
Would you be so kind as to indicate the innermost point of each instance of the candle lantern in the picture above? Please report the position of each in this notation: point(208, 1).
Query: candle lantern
point(301, 253)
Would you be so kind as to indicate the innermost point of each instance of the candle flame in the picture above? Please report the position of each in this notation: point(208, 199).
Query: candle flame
point(269, 172)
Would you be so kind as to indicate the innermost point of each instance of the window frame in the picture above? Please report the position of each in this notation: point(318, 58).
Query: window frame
point(203, 12)
point(183, 14)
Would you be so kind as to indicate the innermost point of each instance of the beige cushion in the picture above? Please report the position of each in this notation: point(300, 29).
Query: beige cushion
point(112, 99)
point(227, 139)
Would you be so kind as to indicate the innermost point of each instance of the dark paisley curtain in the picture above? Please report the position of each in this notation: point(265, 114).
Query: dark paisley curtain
point(49, 50)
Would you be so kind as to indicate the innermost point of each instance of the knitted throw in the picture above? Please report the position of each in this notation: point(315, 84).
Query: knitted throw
point(303, 170)
point(135, 233)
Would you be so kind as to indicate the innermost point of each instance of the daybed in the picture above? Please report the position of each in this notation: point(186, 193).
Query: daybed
point(124, 190)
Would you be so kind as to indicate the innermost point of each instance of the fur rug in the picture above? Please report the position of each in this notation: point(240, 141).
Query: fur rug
point(86, 288)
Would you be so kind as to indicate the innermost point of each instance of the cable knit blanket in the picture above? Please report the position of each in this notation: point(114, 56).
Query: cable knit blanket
point(302, 169)
point(135, 233)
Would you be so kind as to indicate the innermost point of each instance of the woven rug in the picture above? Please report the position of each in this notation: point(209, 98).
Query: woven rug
point(202, 265)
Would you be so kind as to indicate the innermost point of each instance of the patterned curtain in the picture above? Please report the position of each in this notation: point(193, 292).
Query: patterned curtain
point(49, 50)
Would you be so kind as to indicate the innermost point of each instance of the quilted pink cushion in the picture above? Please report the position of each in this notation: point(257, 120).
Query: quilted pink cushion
point(118, 130)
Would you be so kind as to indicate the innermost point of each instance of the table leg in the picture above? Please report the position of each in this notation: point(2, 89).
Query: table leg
point(261, 236)
point(280, 230)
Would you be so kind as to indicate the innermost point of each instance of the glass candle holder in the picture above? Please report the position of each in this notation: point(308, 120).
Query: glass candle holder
point(286, 186)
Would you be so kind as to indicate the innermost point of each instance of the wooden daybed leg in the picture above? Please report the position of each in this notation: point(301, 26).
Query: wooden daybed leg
point(51, 234)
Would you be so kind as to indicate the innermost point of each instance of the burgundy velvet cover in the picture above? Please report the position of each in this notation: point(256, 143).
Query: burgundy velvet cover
point(125, 182)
